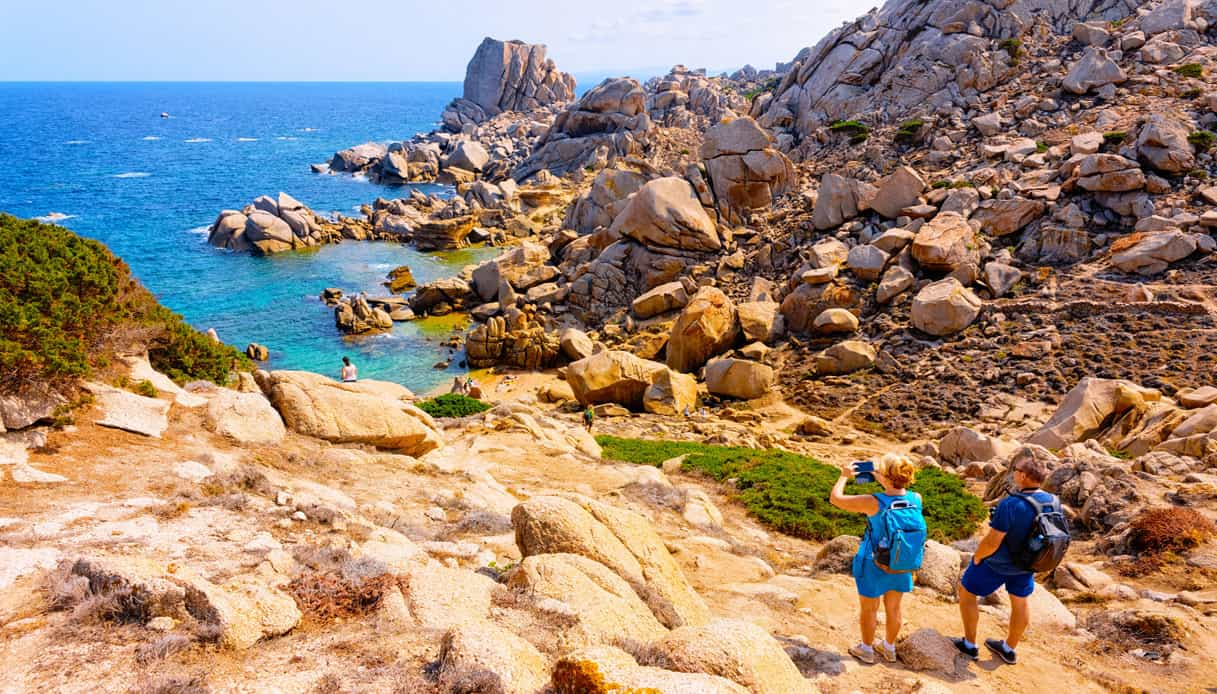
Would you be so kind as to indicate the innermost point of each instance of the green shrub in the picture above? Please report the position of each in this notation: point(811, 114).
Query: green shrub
point(1195, 70)
point(858, 132)
point(789, 492)
point(1041, 147)
point(67, 304)
point(1114, 137)
point(1202, 140)
point(452, 405)
point(909, 130)
point(1193, 93)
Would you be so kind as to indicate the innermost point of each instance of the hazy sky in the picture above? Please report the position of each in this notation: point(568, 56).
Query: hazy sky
point(390, 40)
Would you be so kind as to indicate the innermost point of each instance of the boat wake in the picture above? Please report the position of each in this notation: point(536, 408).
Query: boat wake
point(55, 217)
point(76, 142)
point(247, 139)
point(195, 140)
point(132, 174)
point(151, 138)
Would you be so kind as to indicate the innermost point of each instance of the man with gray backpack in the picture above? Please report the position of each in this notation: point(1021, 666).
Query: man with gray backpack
point(1028, 534)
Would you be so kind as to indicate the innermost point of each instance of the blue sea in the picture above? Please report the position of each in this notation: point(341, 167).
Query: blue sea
point(148, 187)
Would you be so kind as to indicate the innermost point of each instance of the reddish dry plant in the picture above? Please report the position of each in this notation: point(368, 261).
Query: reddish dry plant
point(1161, 530)
point(326, 596)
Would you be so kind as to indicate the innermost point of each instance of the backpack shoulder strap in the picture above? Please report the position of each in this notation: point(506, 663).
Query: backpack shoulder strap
point(1035, 504)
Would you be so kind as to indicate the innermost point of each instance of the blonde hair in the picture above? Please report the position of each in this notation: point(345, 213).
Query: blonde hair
point(898, 470)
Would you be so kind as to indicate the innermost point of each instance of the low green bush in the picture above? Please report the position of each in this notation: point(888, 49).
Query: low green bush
point(789, 492)
point(1195, 70)
point(452, 405)
point(1114, 137)
point(858, 132)
point(67, 304)
point(1203, 140)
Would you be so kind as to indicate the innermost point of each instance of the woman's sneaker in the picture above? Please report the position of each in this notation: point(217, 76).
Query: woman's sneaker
point(1001, 650)
point(971, 651)
point(863, 653)
point(889, 654)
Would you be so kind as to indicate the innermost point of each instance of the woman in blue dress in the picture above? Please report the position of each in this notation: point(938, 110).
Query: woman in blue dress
point(895, 473)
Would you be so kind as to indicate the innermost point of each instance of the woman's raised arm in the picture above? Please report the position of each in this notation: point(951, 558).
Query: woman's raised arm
point(858, 503)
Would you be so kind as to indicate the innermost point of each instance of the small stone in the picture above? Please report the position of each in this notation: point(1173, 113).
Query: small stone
point(161, 624)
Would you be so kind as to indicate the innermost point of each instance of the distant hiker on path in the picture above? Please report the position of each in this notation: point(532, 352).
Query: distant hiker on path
point(1028, 534)
point(350, 374)
point(890, 552)
point(589, 415)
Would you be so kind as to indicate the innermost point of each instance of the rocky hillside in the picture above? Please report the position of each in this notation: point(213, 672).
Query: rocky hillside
point(952, 229)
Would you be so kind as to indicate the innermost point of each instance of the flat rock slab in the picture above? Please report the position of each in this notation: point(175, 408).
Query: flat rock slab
point(131, 412)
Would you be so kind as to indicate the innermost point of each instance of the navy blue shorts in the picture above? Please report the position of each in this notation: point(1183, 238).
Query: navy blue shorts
point(980, 580)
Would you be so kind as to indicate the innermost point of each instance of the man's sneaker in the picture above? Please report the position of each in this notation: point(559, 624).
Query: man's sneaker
point(889, 654)
point(971, 651)
point(861, 652)
point(1001, 650)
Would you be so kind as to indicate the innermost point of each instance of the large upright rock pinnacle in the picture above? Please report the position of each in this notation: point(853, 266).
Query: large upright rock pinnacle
point(508, 76)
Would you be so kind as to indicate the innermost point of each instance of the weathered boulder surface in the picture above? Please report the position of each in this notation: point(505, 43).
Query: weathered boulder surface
point(1152, 253)
point(745, 172)
point(707, 326)
point(667, 213)
point(736, 650)
point(1084, 411)
point(618, 539)
point(945, 242)
point(507, 76)
point(590, 669)
point(496, 659)
point(671, 393)
point(598, 606)
point(612, 376)
point(739, 378)
point(839, 200)
point(246, 418)
point(371, 412)
point(944, 307)
point(120, 409)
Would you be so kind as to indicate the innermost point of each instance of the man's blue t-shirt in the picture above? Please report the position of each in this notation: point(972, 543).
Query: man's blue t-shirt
point(1014, 517)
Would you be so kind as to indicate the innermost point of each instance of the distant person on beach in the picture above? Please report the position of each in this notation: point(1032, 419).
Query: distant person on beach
point(350, 374)
point(589, 415)
point(894, 541)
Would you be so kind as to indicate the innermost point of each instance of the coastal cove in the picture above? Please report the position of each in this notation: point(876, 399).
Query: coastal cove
point(148, 187)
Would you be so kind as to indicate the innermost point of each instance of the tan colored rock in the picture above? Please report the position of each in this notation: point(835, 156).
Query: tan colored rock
point(245, 610)
point(442, 598)
point(589, 669)
point(1109, 173)
point(130, 412)
point(760, 320)
point(845, 357)
point(597, 605)
point(735, 650)
point(612, 376)
point(866, 262)
point(739, 378)
point(940, 567)
point(666, 213)
point(944, 307)
point(1162, 143)
point(1201, 397)
point(556, 392)
point(962, 445)
point(661, 299)
point(801, 306)
point(840, 199)
point(575, 344)
point(620, 540)
point(1004, 217)
point(1151, 253)
point(1094, 70)
point(247, 419)
point(900, 189)
point(835, 321)
point(927, 650)
point(671, 393)
point(896, 280)
point(945, 242)
point(706, 327)
point(1085, 408)
point(371, 412)
point(496, 659)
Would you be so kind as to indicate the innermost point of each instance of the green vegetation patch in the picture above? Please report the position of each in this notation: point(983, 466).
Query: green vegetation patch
point(1195, 70)
point(452, 405)
point(789, 492)
point(858, 132)
point(909, 130)
point(1202, 140)
point(67, 304)
point(1114, 137)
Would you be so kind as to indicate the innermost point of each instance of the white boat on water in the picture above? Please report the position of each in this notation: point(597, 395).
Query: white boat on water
point(164, 114)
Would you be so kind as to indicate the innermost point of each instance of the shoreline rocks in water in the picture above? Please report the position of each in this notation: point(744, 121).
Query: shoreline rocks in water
point(273, 225)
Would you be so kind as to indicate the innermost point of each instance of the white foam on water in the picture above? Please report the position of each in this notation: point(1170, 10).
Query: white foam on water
point(284, 137)
point(195, 140)
point(199, 230)
point(151, 138)
point(308, 130)
point(76, 142)
point(132, 174)
point(54, 217)
point(247, 139)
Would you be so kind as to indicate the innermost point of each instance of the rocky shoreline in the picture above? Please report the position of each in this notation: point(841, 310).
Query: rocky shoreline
point(949, 230)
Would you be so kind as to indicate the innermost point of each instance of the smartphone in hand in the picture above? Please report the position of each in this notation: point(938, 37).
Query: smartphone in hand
point(864, 471)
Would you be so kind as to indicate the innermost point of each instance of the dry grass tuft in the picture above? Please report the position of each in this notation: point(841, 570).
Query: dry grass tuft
point(328, 596)
point(162, 647)
point(196, 684)
point(1159, 530)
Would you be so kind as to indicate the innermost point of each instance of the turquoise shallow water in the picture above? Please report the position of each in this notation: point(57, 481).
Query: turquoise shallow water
point(148, 187)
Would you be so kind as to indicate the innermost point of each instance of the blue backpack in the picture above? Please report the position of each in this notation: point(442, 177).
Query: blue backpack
point(899, 545)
